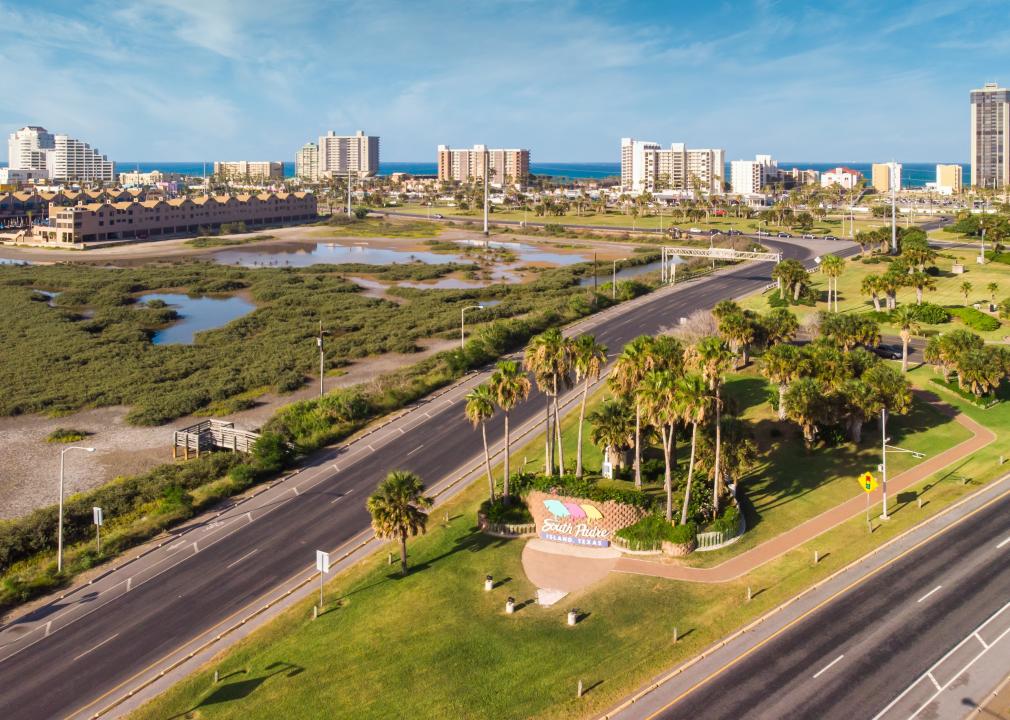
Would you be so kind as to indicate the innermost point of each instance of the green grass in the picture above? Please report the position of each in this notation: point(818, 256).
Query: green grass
point(66, 435)
point(437, 643)
point(340, 226)
point(948, 290)
point(213, 242)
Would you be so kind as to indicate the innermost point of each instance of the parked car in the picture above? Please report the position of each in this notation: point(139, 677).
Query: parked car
point(808, 236)
point(784, 234)
point(734, 232)
point(713, 231)
point(437, 216)
point(695, 231)
point(830, 237)
point(763, 232)
point(888, 352)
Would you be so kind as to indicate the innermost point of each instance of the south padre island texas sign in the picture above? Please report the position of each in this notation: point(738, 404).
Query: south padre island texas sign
point(578, 521)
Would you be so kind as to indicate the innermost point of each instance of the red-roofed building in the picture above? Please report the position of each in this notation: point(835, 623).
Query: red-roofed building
point(843, 176)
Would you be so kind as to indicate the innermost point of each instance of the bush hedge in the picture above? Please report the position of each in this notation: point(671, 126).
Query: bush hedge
point(975, 319)
point(650, 532)
point(583, 488)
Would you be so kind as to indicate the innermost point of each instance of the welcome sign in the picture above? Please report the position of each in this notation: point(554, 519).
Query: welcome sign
point(578, 521)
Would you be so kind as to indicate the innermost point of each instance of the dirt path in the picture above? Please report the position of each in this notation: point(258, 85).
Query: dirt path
point(747, 561)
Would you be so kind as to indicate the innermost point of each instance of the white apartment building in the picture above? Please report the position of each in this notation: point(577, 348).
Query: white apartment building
point(507, 165)
point(845, 177)
point(749, 177)
point(60, 156)
point(254, 170)
point(646, 166)
point(307, 162)
point(339, 155)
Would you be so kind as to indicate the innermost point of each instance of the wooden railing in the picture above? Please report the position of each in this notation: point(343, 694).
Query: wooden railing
point(212, 435)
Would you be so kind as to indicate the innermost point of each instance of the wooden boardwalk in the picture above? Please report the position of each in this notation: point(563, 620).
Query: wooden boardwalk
point(211, 435)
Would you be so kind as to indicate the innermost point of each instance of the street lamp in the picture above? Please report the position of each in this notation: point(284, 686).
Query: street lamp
point(59, 537)
point(322, 356)
point(613, 289)
point(462, 323)
point(885, 448)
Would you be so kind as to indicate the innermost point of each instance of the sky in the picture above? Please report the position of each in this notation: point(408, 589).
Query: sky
point(252, 80)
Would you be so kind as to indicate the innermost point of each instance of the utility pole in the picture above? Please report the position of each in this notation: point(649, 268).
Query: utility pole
point(59, 536)
point(883, 457)
point(322, 358)
point(349, 188)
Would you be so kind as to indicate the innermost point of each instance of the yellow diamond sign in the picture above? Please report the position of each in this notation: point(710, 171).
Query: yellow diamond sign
point(867, 482)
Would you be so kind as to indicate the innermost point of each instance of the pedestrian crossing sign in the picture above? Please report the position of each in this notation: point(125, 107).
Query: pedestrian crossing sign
point(867, 482)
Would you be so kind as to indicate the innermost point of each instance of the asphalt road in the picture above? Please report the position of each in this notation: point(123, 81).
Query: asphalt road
point(852, 657)
point(96, 640)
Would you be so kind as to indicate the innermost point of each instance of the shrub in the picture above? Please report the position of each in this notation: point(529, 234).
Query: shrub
point(649, 533)
point(975, 319)
point(514, 513)
point(682, 534)
point(728, 523)
point(271, 453)
point(583, 488)
point(360, 213)
point(931, 314)
point(243, 475)
point(65, 435)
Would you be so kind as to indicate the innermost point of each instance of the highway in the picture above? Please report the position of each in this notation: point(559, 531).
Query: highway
point(70, 653)
point(855, 656)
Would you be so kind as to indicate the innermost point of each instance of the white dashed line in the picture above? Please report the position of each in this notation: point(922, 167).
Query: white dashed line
point(929, 593)
point(415, 450)
point(825, 668)
point(96, 647)
point(247, 555)
point(1003, 543)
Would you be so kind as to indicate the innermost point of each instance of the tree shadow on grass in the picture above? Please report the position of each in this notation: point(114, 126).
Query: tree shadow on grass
point(241, 689)
point(473, 541)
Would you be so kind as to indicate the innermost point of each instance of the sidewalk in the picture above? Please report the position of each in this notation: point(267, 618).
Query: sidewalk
point(747, 561)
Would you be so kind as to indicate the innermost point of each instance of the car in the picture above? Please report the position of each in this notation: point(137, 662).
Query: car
point(695, 231)
point(713, 231)
point(763, 232)
point(734, 232)
point(808, 236)
point(888, 352)
point(784, 234)
point(830, 237)
point(438, 216)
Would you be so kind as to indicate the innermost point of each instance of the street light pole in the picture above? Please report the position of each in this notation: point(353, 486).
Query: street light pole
point(462, 323)
point(894, 225)
point(322, 357)
point(59, 536)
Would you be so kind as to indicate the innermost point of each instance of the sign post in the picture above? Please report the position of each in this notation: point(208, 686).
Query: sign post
point(323, 566)
point(868, 483)
point(99, 520)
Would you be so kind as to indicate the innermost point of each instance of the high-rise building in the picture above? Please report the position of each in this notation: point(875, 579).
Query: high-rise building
point(886, 176)
point(337, 155)
point(749, 177)
point(646, 166)
point(990, 131)
point(507, 166)
point(29, 148)
point(254, 170)
point(949, 179)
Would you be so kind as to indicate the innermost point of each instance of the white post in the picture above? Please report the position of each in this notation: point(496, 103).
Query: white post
point(883, 454)
point(613, 285)
point(894, 227)
point(322, 357)
point(59, 535)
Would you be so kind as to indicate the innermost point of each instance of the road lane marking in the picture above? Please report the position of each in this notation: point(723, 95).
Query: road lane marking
point(95, 647)
point(247, 555)
point(929, 593)
point(341, 496)
point(979, 638)
point(930, 676)
point(1003, 543)
point(48, 625)
point(129, 583)
point(415, 450)
point(825, 668)
point(196, 548)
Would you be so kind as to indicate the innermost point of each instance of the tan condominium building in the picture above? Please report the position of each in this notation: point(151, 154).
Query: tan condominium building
point(507, 166)
point(152, 219)
point(251, 170)
point(949, 179)
point(886, 177)
point(990, 132)
point(339, 155)
point(646, 166)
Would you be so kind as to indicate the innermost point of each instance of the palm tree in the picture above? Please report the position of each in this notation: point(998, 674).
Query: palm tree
point(613, 428)
point(907, 320)
point(548, 357)
point(739, 329)
point(965, 289)
point(782, 364)
point(588, 359)
point(805, 405)
point(712, 358)
point(778, 326)
point(692, 403)
point(832, 266)
point(657, 394)
point(992, 288)
point(628, 372)
point(479, 409)
point(398, 508)
point(509, 385)
point(920, 281)
point(872, 286)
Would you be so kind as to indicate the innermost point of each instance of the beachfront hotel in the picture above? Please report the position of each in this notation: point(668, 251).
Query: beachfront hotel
point(885, 177)
point(646, 166)
point(338, 155)
point(156, 218)
point(256, 171)
point(990, 130)
point(60, 156)
point(507, 166)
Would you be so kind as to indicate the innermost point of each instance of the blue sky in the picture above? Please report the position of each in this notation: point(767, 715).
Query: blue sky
point(245, 79)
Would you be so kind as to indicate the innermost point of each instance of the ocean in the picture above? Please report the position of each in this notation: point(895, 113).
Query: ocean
point(913, 174)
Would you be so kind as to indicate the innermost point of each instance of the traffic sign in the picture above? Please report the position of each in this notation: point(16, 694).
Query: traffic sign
point(97, 513)
point(322, 561)
point(867, 482)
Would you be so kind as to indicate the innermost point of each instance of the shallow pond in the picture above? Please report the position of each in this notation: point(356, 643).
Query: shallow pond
point(196, 314)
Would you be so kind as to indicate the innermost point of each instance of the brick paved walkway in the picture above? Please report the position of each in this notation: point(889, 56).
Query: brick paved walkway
point(769, 550)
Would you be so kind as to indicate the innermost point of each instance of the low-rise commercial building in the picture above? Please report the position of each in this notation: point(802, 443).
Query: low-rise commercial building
point(949, 179)
point(844, 177)
point(255, 171)
point(886, 177)
point(155, 218)
point(507, 166)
